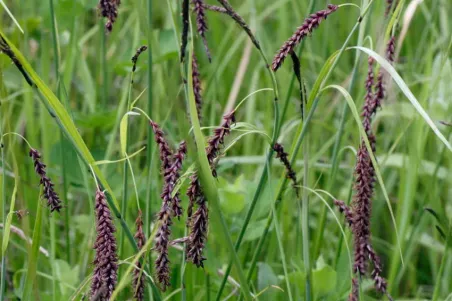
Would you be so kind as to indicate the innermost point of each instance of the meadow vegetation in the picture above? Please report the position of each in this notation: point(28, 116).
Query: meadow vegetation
point(225, 150)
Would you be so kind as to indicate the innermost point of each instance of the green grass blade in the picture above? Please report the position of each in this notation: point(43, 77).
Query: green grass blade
point(33, 255)
point(356, 115)
point(404, 87)
point(207, 180)
point(11, 15)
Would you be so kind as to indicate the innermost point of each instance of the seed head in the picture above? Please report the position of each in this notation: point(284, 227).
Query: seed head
point(282, 155)
point(312, 22)
point(198, 233)
point(140, 50)
point(109, 9)
point(138, 281)
point(53, 201)
point(362, 202)
point(185, 25)
point(201, 22)
point(343, 208)
point(197, 90)
point(106, 260)
point(217, 139)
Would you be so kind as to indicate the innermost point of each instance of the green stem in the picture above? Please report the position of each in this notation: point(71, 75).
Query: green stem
point(150, 175)
point(439, 277)
point(3, 268)
point(305, 222)
point(103, 60)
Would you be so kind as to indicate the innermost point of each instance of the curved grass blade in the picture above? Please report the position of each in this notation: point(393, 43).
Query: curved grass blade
point(355, 114)
point(404, 87)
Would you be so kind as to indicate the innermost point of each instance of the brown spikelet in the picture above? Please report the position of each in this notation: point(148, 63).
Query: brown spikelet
point(304, 30)
point(201, 23)
point(197, 91)
point(282, 155)
point(138, 281)
point(109, 9)
point(185, 26)
point(53, 200)
point(139, 51)
point(106, 260)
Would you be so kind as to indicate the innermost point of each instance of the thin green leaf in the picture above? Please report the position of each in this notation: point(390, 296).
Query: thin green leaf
point(33, 255)
point(355, 114)
point(11, 15)
point(9, 218)
point(404, 87)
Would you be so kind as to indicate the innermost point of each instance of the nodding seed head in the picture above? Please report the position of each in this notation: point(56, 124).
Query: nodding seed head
point(197, 90)
point(283, 157)
point(109, 9)
point(312, 22)
point(53, 200)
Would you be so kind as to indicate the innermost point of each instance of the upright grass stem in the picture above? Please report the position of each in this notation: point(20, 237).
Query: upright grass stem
point(3, 268)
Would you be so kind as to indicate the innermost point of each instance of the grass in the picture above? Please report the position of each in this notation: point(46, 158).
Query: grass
point(264, 242)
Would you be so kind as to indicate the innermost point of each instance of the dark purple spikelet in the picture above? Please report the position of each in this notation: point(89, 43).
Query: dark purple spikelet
point(164, 216)
point(304, 30)
point(197, 90)
point(380, 92)
point(173, 177)
point(354, 295)
point(380, 283)
point(290, 173)
point(201, 23)
point(217, 139)
point(198, 233)
point(138, 281)
point(106, 259)
point(193, 193)
point(53, 201)
point(370, 106)
point(362, 207)
point(109, 9)
point(139, 51)
point(344, 209)
point(390, 50)
point(162, 262)
point(185, 26)
point(215, 8)
point(164, 149)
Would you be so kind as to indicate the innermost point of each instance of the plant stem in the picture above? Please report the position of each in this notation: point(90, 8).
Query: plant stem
point(3, 268)
point(305, 220)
